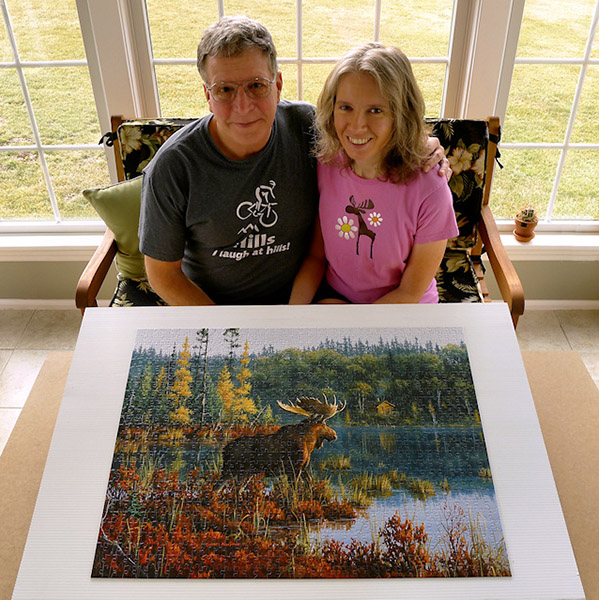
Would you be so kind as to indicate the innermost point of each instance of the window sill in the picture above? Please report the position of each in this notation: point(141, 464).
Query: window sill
point(80, 247)
point(553, 247)
point(48, 247)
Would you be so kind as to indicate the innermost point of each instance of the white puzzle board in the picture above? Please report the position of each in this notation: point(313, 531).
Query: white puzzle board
point(60, 549)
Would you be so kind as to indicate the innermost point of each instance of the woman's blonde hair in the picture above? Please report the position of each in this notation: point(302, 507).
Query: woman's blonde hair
point(406, 150)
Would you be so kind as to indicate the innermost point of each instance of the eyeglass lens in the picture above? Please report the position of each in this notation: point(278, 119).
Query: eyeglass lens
point(226, 92)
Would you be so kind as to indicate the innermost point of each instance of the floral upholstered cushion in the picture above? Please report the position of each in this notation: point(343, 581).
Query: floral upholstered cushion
point(135, 292)
point(465, 144)
point(139, 141)
point(456, 278)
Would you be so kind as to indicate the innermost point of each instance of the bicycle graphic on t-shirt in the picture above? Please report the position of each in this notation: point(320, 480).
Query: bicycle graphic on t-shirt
point(262, 207)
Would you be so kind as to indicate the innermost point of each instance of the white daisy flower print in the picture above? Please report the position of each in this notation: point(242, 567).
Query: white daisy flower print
point(346, 228)
point(375, 219)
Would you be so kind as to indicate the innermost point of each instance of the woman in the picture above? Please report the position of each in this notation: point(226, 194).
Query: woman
point(383, 222)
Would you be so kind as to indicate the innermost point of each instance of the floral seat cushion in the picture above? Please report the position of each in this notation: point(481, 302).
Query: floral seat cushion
point(465, 144)
point(135, 292)
point(456, 278)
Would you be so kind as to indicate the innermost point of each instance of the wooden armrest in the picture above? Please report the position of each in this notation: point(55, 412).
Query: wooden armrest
point(503, 269)
point(95, 272)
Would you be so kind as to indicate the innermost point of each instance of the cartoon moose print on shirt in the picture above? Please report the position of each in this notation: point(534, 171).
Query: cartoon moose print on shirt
point(359, 210)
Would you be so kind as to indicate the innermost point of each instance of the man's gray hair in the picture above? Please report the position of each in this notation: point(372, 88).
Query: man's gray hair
point(231, 36)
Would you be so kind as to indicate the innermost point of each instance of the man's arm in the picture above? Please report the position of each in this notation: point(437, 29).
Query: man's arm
point(422, 266)
point(172, 285)
point(437, 156)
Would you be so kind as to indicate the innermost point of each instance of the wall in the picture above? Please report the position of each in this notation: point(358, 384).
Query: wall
point(542, 280)
point(44, 280)
point(554, 280)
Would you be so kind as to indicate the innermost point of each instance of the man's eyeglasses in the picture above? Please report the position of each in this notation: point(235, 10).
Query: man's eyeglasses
point(225, 91)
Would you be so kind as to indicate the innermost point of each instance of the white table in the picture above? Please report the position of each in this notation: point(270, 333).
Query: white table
point(543, 565)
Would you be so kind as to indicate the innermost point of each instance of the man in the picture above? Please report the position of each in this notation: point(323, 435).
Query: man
point(229, 202)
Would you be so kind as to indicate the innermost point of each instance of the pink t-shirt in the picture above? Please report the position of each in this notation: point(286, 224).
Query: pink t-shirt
point(370, 226)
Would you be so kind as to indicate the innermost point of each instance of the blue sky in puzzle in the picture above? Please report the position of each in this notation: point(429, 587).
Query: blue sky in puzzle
point(282, 338)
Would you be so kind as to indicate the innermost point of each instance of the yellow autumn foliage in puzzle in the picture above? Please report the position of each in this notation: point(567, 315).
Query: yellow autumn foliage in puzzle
point(225, 390)
point(243, 404)
point(181, 389)
point(181, 416)
point(237, 403)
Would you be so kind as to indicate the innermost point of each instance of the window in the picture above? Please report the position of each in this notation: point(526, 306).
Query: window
point(534, 63)
point(49, 128)
point(309, 37)
point(551, 133)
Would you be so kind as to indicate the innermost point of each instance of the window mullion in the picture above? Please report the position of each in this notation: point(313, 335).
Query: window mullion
point(45, 147)
point(136, 31)
point(488, 50)
point(377, 20)
point(300, 49)
point(45, 63)
point(456, 74)
point(481, 42)
point(509, 58)
point(117, 46)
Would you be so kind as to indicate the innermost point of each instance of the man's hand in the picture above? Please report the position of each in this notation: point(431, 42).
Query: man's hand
point(172, 285)
point(437, 156)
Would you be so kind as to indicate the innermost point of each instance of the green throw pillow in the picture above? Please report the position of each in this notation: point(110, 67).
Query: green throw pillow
point(118, 206)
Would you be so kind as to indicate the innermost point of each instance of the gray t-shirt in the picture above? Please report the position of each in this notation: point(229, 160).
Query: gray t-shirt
point(242, 227)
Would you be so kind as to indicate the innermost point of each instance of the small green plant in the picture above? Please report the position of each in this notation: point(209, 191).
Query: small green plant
point(527, 214)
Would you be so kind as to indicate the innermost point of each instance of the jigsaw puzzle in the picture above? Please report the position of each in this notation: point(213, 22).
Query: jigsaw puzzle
point(300, 453)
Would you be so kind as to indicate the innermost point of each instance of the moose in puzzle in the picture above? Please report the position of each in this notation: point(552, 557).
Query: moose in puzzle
point(287, 450)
